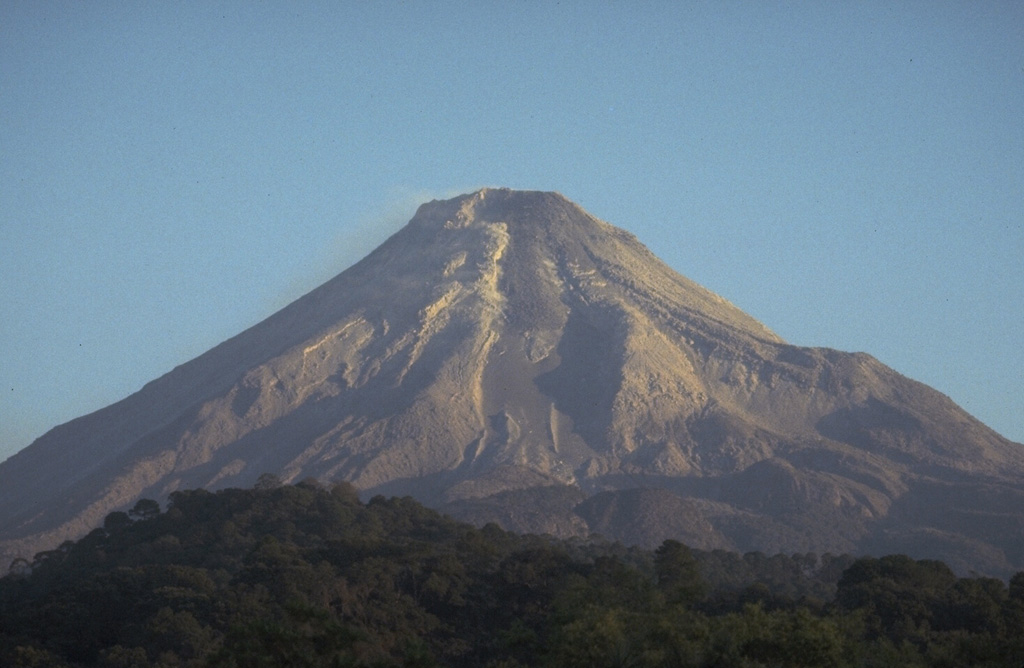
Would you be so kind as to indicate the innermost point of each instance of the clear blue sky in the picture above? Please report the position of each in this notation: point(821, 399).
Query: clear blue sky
point(850, 173)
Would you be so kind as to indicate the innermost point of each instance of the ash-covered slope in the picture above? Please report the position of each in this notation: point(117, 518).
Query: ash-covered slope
point(507, 356)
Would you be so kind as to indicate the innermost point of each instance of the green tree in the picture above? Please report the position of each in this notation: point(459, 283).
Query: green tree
point(116, 521)
point(678, 574)
point(144, 509)
point(898, 596)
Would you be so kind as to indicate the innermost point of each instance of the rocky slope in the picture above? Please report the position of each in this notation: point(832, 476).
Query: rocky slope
point(508, 357)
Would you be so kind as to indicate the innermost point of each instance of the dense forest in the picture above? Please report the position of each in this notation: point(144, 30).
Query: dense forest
point(308, 576)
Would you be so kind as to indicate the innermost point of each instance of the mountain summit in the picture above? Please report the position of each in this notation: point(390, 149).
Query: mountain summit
point(508, 357)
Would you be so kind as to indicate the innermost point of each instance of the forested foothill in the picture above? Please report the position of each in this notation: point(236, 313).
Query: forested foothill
point(308, 575)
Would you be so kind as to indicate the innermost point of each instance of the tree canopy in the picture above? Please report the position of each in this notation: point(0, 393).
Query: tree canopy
point(308, 575)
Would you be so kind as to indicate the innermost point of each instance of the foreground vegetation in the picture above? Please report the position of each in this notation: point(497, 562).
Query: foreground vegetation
point(310, 576)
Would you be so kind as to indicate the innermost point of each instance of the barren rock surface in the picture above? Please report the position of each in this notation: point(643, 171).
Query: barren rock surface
point(508, 357)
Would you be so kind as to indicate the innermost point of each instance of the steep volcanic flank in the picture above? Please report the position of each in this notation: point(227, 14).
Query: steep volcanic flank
point(506, 356)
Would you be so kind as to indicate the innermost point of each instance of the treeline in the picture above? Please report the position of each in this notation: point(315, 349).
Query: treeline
point(308, 575)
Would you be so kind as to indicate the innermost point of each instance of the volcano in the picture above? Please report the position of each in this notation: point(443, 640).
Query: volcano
point(508, 357)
